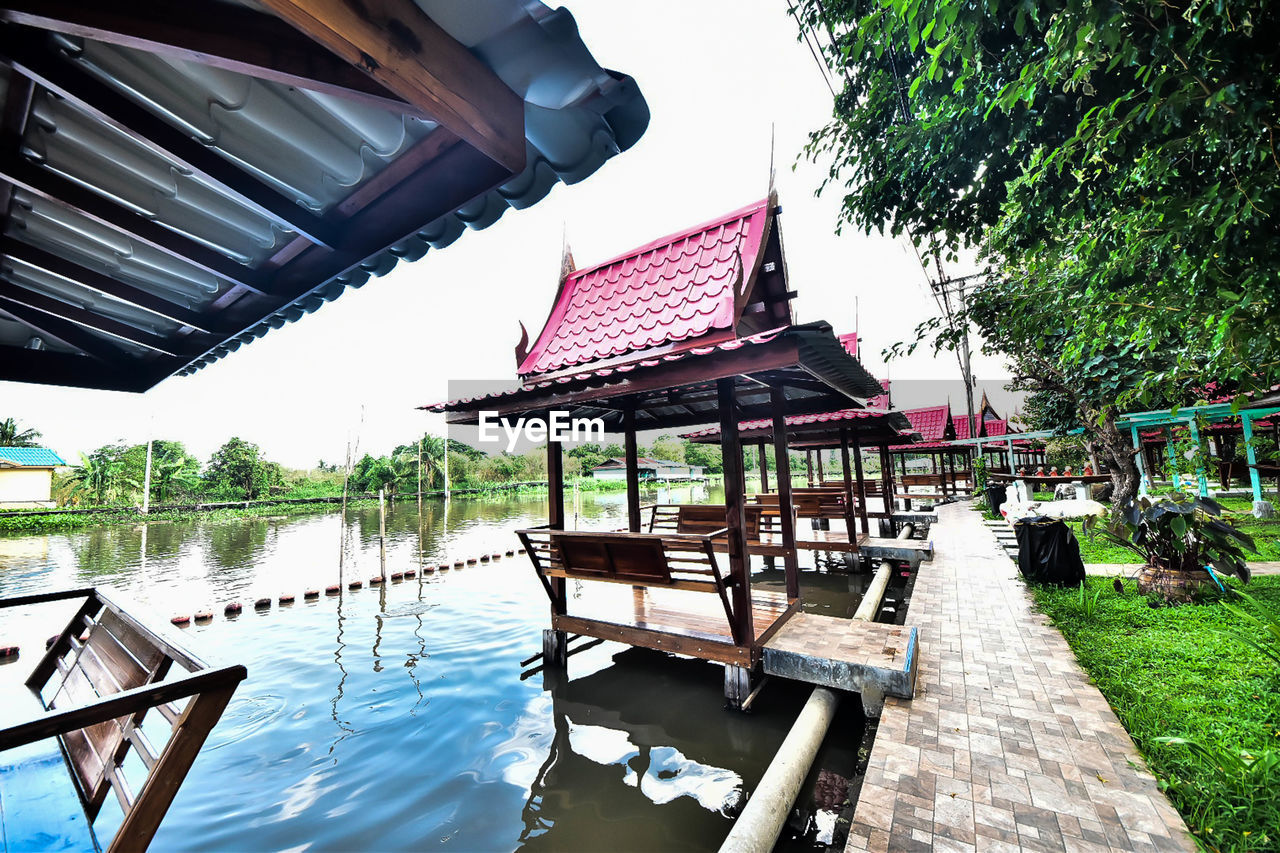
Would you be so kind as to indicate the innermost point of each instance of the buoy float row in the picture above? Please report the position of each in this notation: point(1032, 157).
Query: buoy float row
point(234, 608)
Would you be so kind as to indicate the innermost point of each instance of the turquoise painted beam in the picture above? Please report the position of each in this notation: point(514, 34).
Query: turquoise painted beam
point(1246, 421)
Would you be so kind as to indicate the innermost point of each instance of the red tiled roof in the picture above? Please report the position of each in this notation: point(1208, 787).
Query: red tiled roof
point(671, 291)
point(603, 372)
point(930, 422)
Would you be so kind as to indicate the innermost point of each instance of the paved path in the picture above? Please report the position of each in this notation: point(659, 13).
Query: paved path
point(1006, 744)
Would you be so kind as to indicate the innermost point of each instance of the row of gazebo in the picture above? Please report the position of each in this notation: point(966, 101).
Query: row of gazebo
point(691, 329)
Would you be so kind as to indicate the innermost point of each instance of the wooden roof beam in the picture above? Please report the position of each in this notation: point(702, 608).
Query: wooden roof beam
point(400, 47)
point(47, 261)
point(220, 35)
point(50, 367)
point(59, 190)
point(24, 52)
point(65, 332)
point(12, 293)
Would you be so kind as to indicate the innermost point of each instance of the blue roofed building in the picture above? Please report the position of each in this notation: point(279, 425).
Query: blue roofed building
point(26, 477)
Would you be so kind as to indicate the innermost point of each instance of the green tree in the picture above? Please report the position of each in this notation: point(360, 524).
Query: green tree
point(238, 468)
point(101, 476)
point(174, 472)
point(1114, 164)
point(667, 448)
point(705, 455)
point(12, 436)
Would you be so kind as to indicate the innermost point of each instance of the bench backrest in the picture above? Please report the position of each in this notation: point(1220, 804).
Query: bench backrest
point(709, 518)
point(637, 558)
point(104, 652)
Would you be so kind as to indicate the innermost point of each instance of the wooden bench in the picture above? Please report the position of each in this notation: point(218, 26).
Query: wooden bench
point(97, 682)
point(678, 560)
point(763, 529)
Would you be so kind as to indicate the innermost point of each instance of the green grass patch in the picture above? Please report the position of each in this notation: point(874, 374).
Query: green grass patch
point(1173, 672)
point(1265, 533)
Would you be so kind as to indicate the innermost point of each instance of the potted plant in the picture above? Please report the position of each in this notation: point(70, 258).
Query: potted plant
point(1177, 537)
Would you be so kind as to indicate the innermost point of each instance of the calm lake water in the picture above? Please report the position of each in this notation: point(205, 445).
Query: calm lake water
point(396, 718)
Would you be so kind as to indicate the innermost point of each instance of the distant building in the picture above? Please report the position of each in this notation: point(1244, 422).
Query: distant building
point(650, 469)
point(26, 477)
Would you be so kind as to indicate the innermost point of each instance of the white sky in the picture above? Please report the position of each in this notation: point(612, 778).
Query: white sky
point(717, 74)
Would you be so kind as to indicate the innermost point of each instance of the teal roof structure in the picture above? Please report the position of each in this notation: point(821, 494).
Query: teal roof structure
point(30, 457)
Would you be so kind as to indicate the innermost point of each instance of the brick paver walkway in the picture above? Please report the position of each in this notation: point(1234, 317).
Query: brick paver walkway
point(1006, 744)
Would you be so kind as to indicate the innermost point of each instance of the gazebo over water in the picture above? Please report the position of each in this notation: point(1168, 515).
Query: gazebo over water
point(689, 329)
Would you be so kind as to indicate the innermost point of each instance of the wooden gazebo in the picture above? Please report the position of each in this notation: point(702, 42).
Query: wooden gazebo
point(693, 328)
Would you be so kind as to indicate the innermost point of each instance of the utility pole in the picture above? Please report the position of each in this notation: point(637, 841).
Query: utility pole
point(146, 481)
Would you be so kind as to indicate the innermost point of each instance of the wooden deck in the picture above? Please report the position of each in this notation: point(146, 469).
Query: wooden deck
point(838, 540)
point(865, 657)
point(669, 621)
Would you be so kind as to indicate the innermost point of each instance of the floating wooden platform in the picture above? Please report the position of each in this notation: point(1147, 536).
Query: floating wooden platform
point(693, 624)
point(864, 657)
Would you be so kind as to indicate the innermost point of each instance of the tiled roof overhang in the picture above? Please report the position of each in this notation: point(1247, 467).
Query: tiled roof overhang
point(678, 389)
point(179, 179)
point(821, 429)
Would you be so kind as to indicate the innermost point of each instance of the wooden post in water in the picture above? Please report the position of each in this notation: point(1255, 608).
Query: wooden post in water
point(735, 512)
point(862, 481)
point(808, 464)
point(782, 469)
point(631, 453)
point(382, 534)
point(419, 481)
point(764, 467)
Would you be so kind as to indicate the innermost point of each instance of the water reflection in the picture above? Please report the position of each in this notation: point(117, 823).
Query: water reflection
point(390, 717)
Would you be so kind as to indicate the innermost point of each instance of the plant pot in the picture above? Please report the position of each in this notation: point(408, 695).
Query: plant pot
point(1172, 585)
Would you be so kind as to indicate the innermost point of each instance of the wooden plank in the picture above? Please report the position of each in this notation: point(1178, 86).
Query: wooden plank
point(396, 44)
point(23, 48)
point(686, 585)
point(108, 708)
point(140, 824)
point(226, 36)
point(698, 647)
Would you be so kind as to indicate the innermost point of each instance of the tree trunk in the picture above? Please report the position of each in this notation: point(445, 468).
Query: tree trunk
point(1117, 453)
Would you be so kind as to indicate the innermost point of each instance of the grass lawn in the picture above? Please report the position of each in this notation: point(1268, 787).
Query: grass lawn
point(1170, 672)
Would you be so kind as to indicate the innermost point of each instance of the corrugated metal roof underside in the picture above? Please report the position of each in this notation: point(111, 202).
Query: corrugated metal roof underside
point(313, 148)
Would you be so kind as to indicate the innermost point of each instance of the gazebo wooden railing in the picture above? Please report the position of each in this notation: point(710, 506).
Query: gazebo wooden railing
point(101, 676)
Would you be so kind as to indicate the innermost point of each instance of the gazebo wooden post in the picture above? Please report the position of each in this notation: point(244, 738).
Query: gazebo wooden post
point(861, 492)
point(821, 477)
point(764, 468)
point(737, 679)
point(632, 458)
point(886, 484)
point(554, 641)
point(633, 469)
point(808, 463)
point(782, 470)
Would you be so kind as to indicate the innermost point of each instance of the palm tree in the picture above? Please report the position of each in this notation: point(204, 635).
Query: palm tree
point(100, 477)
point(171, 470)
point(10, 436)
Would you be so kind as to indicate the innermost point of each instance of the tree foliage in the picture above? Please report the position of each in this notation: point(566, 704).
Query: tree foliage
point(1115, 165)
point(11, 435)
point(238, 468)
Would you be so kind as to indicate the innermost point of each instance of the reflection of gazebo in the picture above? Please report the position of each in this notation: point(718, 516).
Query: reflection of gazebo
point(689, 329)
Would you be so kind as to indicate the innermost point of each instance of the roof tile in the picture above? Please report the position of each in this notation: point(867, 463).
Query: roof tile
point(670, 291)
